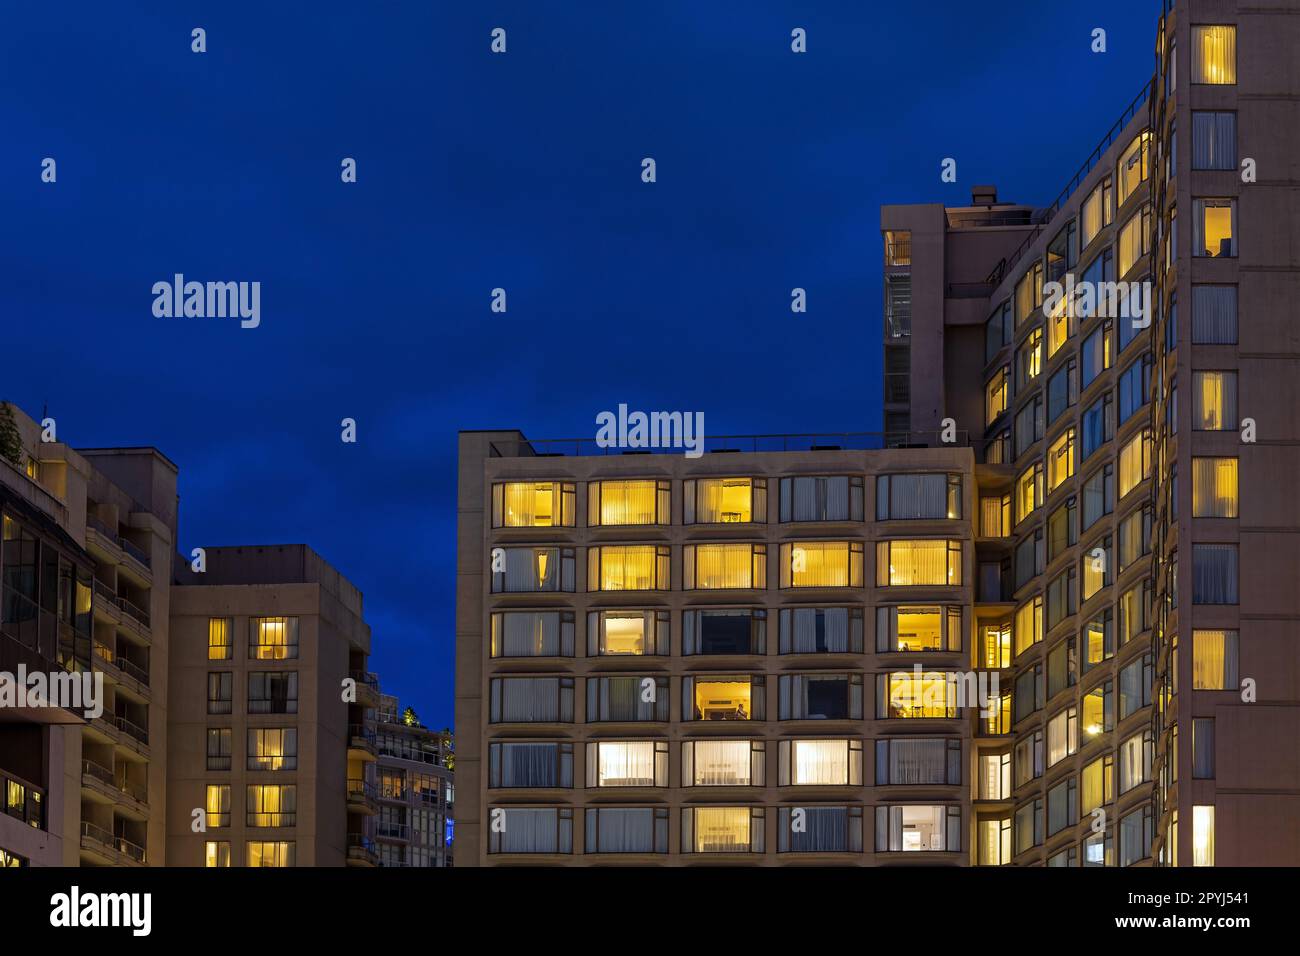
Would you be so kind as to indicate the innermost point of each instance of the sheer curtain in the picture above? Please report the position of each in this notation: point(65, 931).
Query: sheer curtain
point(530, 699)
point(1214, 574)
point(722, 763)
point(723, 566)
point(621, 829)
point(529, 830)
point(1214, 140)
point(918, 562)
point(530, 634)
point(1214, 314)
point(816, 630)
point(630, 764)
point(821, 762)
point(918, 496)
point(721, 829)
point(916, 762)
point(529, 765)
point(1214, 660)
point(825, 830)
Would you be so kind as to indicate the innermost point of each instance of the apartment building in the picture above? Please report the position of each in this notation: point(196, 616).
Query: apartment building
point(414, 788)
point(272, 733)
point(88, 538)
point(1154, 701)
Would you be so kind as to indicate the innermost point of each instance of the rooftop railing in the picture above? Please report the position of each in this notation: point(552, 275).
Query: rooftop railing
point(736, 444)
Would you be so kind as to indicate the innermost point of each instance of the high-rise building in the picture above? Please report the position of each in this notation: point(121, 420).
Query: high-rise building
point(414, 788)
point(666, 658)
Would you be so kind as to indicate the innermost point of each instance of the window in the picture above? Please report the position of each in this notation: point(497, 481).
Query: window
point(273, 692)
point(918, 628)
point(997, 331)
point(996, 394)
point(1062, 597)
point(923, 762)
point(532, 569)
point(905, 829)
point(1097, 295)
point(820, 697)
point(1029, 558)
point(1062, 805)
point(1029, 360)
point(1060, 460)
point(220, 696)
point(834, 498)
point(628, 502)
point(1133, 168)
point(1098, 639)
point(533, 504)
point(1134, 388)
point(1095, 354)
point(714, 567)
point(1203, 748)
point(722, 830)
point(1136, 832)
point(1214, 574)
point(217, 805)
point(1203, 836)
point(1029, 625)
point(1062, 254)
point(272, 853)
point(1062, 529)
point(1095, 212)
point(1214, 315)
point(1135, 761)
point(218, 748)
point(633, 567)
point(1214, 228)
point(1062, 390)
point(1214, 140)
point(995, 640)
point(723, 763)
point(1214, 401)
point(724, 500)
point(1098, 425)
point(723, 697)
point(532, 634)
point(1029, 758)
point(1214, 487)
point(530, 764)
point(821, 564)
point(1135, 686)
point(1098, 783)
point(1099, 710)
point(898, 305)
point(272, 638)
point(1029, 491)
point(1214, 660)
point(821, 630)
point(626, 830)
point(1135, 462)
point(531, 700)
point(1062, 667)
point(898, 247)
point(995, 516)
point(1134, 612)
point(1062, 735)
point(1029, 292)
point(220, 638)
point(635, 763)
point(820, 830)
point(216, 853)
point(627, 698)
point(1134, 537)
point(272, 748)
point(820, 763)
point(531, 830)
point(1097, 565)
point(913, 695)
point(1029, 424)
point(271, 805)
point(995, 842)
point(1029, 826)
point(1098, 495)
point(901, 563)
point(723, 631)
point(908, 497)
point(994, 775)
point(1214, 54)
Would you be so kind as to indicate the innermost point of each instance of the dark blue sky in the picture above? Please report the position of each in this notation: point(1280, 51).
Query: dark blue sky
point(477, 171)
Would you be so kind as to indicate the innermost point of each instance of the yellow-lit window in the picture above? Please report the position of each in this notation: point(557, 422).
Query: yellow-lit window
point(1029, 292)
point(725, 500)
point(1060, 460)
point(998, 719)
point(271, 805)
point(929, 695)
point(220, 639)
point(1097, 640)
point(995, 397)
point(995, 639)
point(216, 853)
point(723, 698)
point(1133, 240)
point(1134, 167)
point(1214, 487)
point(904, 563)
point(898, 247)
point(1029, 625)
point(271, 853)
point(1094, 712)
point(533, 504)
point(1214, 401)
point(1060, 325)
point(626, 764)
point(707, 567)
point(218, 805)
point(995, 517)
point(1031, 358)
point(1214, 660)
point(1029, 492)
point(627, 567)
point(1214, 55)
point(273, 638)
point(1214, 228)
point(920, 629)
point(1203, 836)
point(823, 763)
point(821, 564)
point(622, 633)
point(1134, 462)
point(1098, 784)
point(721, 763)
point(272, 748)
point(995, 842)
point(720, 829)
point(1090, 216)
point(633, 502)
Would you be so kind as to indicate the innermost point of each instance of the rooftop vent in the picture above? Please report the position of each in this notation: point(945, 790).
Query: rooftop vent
point(984, 195)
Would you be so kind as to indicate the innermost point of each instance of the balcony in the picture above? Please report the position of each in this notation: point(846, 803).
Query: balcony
point(367, 688)
point(362, 797)
point(361, 742)
point(98, 780)
point(106, 603)
point(392, 831)
point(102, 541)
point(103, 846)
point(361, 851)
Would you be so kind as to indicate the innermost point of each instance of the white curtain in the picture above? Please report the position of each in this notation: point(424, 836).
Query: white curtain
point(530, 699)
point(530, 634)
point(531, 569)
point(830, 624)
point(721, 829)
point(529, 765)
point(918, 496)
point(529, 830)
point(917, 762)
point(627, 764)
point(721, 763)
point(621, 829)
point(820, 762)
point(1214, 140)
point(1214, 314)
point(1214, 574)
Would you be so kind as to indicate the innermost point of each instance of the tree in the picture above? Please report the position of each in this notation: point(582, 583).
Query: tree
point(411, 718)
point(11, 442)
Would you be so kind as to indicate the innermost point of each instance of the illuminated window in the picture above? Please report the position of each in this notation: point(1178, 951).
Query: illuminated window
point(918, 628)
point(636, 763)
point(998, 719)
point(821, 564)
point(1029, 292)
point(902, 563)
point(909, 828)
point(1060, 326)
point(1098, 710)
point(1135, 761)
point(995, 776)
point(1095, 213)
point(1134, 243)
point(628, 567)
point(1135, 462)
point(1029, 491)
point(1029, 359)
point(1214, 660)
point(1029, 625)
point(1060, 460)
point(1214, 487)
point(532, 634)
point(723, 763)
point(909, 696)
point(273, 638)
point(273, 748)
point(995, 640)
point(1097, 565)
point(217, 805)
point(524, 569)
point(996, 393)
point(533, 504)
point(1098, 640)
point(1214, 401)
point(221, 646)
point(1214, 55)
point(722, 697)
point(271, 805)
point(1214, 228)
point(824, 763)
point(1133, 168)
point(1098, 783)
point(708, 567)
point(216, 853)
point(724, 500)
point(627, 633)
point(722, 830)
point(633, 502)
point(995, 517)
point(995, 842)
point(1062, 735)
point(898, 247)
point(1203, 836)
point(272, 853)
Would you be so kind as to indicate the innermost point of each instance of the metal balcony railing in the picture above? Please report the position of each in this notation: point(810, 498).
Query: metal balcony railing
point(722, 444)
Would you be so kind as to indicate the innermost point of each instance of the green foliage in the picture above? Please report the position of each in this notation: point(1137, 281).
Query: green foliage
point(11, 443)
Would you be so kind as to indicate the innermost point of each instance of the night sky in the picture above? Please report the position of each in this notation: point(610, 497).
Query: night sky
point(477, 171)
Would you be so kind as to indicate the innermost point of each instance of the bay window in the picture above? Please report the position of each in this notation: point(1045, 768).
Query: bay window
point(626, 830)
point(918, 628)
point(722, 830)
point(822, 498)
point(724, 500)
point(820, 697)
point(915, 694)
point(723, 697)
point(522, 569)
point(531, 700)
point(710, 567)
point(628, 502)
point(723, 763)
point(902, 563)
point(532, 634)
point(628, 567)
point(530, 764)
point(533, 504)
point(631, 633)
point(1062, 735)
point(627, 763)
point(819, 830)
point(820, 763)
point(821, 630)
point(912, 497)
point(714, 631)
point(821, 564)
point(918, 828)
point(531, 830)
point(922, 762)
point(627, 698)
